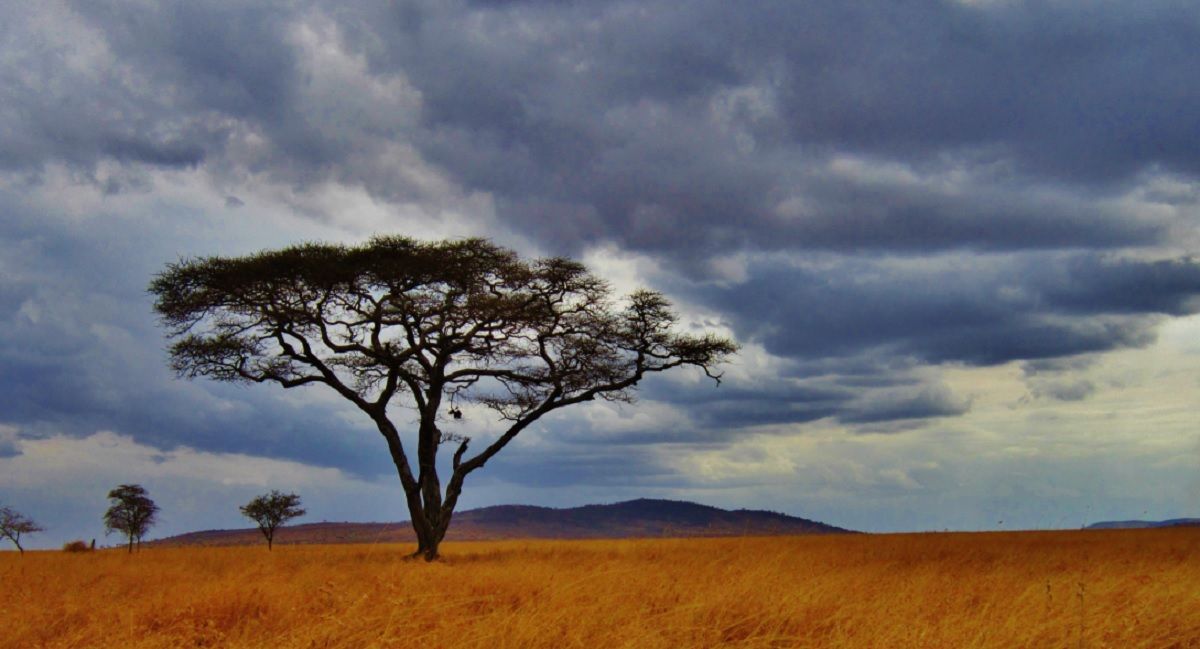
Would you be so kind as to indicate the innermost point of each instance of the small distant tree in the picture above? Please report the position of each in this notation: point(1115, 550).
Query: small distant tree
point(271, 511)
point(13, 524)
point(132, 513)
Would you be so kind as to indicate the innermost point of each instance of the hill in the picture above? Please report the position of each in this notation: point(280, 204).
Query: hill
point(634, 518)
point(1126, 525)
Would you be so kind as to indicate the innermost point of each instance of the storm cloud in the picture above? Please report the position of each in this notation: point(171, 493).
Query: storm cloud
point(869, 196)
point(682, 130)
point(959, 309)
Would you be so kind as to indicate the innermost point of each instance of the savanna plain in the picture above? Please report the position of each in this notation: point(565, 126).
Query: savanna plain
point(1115, 588)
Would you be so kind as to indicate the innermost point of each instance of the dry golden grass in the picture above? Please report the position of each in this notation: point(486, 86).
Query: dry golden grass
point(1033, 589)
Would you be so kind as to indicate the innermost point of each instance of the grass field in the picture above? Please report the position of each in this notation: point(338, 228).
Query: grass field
point(1136, 588)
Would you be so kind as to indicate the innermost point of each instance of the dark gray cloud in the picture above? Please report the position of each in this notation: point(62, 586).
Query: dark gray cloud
point(1055, 365)
point(889, 394)
point(1063, 390)
point(975, 310)
point(678, 130)
point(1091, 285)
point(1058, 378)
point(906, 404)
point(1075, 90)
point(690, 130)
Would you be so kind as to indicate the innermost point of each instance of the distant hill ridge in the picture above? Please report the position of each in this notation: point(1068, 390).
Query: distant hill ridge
point(643, 517)
point(1126, 525)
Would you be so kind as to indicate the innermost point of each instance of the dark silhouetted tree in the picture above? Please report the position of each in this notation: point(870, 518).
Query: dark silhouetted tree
point(271, 511)
point(438, 324)
point(13, 524)
point(132, 513)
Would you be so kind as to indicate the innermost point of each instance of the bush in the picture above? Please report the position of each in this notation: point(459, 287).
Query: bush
point(77, 546)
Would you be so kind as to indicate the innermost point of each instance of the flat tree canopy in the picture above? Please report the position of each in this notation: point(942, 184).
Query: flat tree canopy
point(427, 325)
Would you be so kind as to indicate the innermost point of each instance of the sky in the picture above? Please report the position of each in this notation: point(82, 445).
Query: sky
point(957, 242)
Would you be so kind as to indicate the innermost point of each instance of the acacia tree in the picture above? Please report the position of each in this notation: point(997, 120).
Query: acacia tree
point(270, 511)
point(13, 524)
point(437, 324)
point(132, 513)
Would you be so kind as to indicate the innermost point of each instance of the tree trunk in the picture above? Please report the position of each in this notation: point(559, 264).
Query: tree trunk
point(426, 545)
point(270, 543)
point(412, 486)
point(429, 548)
point(429, 537)
point(436, 522)
point(421, 542)
point(422, 493)
point(17, 541)
point(130, 544)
